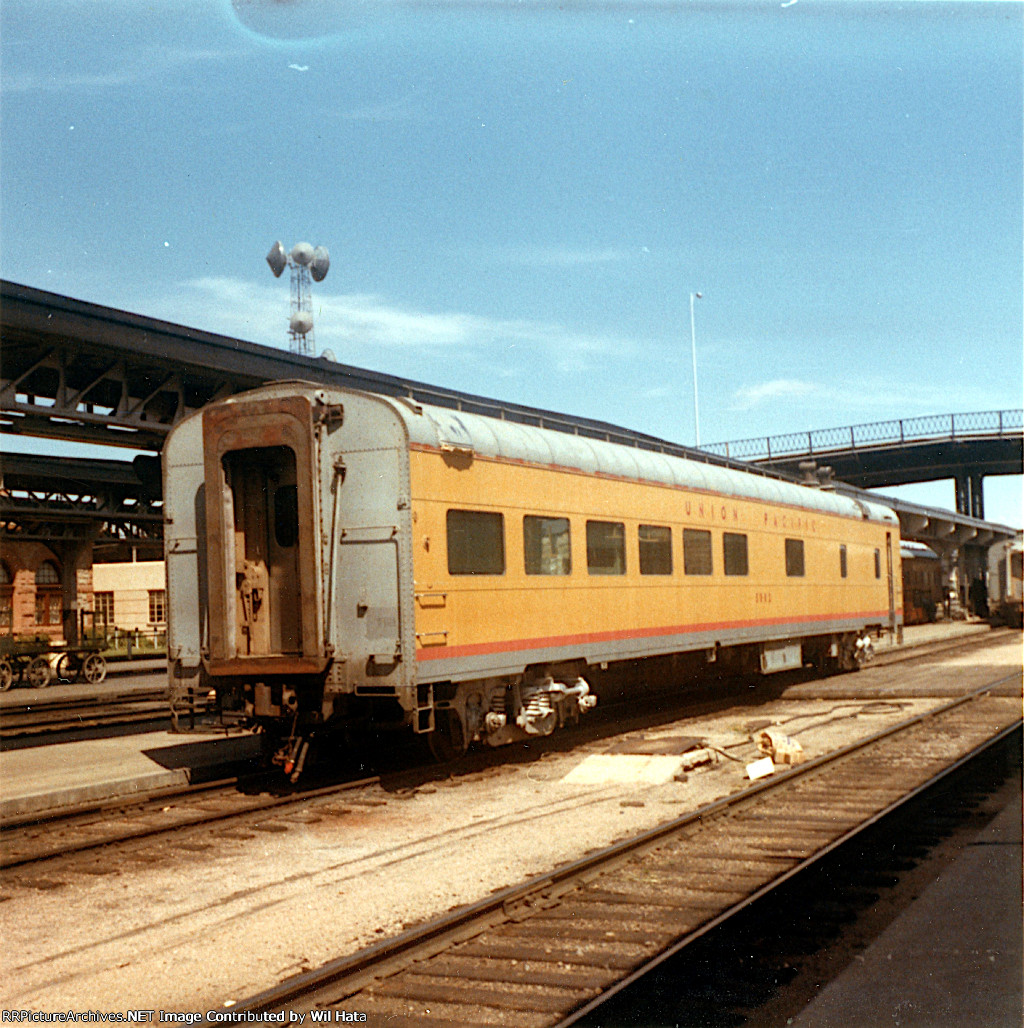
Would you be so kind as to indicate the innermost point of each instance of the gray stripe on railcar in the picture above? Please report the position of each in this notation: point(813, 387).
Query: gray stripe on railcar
point(490, 664)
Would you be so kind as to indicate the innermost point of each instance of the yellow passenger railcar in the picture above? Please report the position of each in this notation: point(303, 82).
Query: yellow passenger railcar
point(337, 557)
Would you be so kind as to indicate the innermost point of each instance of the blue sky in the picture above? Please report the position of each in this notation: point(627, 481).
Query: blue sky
point(519, 198)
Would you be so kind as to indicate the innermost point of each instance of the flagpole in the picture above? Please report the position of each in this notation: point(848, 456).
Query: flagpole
point(693, 354)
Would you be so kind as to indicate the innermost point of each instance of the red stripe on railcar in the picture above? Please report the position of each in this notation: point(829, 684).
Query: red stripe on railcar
point(555, 641)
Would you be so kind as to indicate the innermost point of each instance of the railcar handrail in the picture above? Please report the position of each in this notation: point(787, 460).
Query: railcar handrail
point(988, 424)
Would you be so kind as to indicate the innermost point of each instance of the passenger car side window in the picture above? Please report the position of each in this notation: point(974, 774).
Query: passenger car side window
point(795, 558)
point(655, 550)
point(546, 546)
point(697, 552)
point(606, 548)
point(476, 543)
point(734, 553)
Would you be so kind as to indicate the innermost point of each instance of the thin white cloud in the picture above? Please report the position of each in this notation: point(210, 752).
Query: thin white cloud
point(135, 67)
point(748, 397)
point(566, 257)
point(355, 325)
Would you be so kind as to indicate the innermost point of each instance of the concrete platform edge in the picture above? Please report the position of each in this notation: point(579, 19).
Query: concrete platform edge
point(125, 788)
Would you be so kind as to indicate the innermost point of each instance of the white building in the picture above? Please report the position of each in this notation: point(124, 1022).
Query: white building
point(130, 597)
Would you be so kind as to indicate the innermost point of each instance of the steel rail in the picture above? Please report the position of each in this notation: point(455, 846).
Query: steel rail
point(359, 970)
point(792, 872)
point(141, 799)
point(900, 654)
point(50, 717)
point(258, 805)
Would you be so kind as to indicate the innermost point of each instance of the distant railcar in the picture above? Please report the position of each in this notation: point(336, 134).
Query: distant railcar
point(923, 591)
point(338, 558)
point(1006, 582)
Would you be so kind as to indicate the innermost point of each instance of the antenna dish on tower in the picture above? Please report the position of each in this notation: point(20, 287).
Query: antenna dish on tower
point(302, 254)
point(320, 264)
point(301, 322)
point(306, 263)
point(277, 259)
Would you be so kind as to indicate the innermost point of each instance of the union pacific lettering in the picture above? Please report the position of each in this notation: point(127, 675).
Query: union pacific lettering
point(794, 522)
point(710, 511)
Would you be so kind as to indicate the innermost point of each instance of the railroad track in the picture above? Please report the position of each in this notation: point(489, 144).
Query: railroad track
point(38, 839)
point(552, 950)
point(898, 655)
point(37, 720)
point(50, 717)
point(59, 834)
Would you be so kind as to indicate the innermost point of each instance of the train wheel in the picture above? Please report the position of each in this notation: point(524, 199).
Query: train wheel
point(447, 741)
point(64, 668)
point(39, 673)
point(94, 669)
point(6, 675)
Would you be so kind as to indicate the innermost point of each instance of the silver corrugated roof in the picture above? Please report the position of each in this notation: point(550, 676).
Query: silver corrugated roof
point(491, 437)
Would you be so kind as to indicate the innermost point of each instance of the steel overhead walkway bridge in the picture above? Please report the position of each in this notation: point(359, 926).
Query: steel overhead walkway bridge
point(963, 447)
point(78, 371)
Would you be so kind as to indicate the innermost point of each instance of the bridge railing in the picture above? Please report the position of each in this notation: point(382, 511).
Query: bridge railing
point(876, 433)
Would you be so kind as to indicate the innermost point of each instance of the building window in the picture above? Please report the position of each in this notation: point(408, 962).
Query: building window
point(476, 543)
point(157, 606)
point(734, 553)
point(655, 550)
point(546, 549)
point(878, 563)
point(697, 558)
point(842, 561)
point(48, 608)
point(103, 605)
point(606, 548)
point(48, 594)
point(795, 558)
point(6, 598)
point(47, 574)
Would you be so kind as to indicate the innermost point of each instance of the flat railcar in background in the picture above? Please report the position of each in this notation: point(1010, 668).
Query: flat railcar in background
point(338, 558)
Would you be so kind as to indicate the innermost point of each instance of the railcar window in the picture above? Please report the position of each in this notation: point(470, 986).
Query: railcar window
point(606, 548)
point(734, 553)
point(878, 563)
point(655, 550)
point(476, 543)
point(795, 558)
point(546, 549)
point(286, 515)
point(842, 561)
point(697, 559)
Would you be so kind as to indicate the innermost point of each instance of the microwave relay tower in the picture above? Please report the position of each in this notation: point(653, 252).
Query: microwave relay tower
point(306, 262)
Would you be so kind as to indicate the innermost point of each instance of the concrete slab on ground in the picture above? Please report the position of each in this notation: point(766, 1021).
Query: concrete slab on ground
point(47, 779)
point(928, 635)
point(140, 679)
point(51, 778)
point(952, 958)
